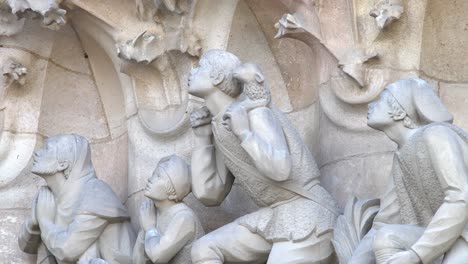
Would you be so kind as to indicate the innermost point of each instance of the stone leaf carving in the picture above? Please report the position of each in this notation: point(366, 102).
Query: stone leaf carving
point(147, 47)
point(15, 71)
point(10, 24)
point(49, 11)
point(147, 9)
point(386, 11)
point(353, 225)
point(286, 25)
point(353, 62)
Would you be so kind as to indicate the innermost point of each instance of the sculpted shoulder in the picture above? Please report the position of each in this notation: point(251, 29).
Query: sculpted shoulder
point(438, 134)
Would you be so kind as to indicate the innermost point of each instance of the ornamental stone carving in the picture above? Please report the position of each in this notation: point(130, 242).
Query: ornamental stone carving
point(15, 72)
point(75, 218)
point(256, 145)
point(386, 11)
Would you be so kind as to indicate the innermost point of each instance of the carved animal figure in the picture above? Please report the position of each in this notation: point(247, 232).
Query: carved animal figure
point(255, 92)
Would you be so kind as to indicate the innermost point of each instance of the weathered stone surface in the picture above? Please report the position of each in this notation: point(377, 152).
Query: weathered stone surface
point(455, 97)
point(79, 109)
point(10, 222)
point(444, 40)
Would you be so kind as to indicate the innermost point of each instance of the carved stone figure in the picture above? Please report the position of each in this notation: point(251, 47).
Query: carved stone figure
point(423, 217)
point(76, 216)
point(168, 225)
point(269, 160)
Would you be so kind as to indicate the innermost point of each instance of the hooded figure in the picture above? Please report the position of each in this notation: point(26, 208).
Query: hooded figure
point(77, 217)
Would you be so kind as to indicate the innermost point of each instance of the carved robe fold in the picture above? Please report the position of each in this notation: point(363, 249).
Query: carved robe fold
point(90, 222)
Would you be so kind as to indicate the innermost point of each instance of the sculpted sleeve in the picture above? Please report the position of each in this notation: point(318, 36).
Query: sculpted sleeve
point(211, 180)
point(161, 249)
point(267, 146)
point(450, 219)
point(29, 237)
point(70, 244)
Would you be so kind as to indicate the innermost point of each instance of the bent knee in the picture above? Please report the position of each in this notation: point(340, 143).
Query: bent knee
point(205, 249)
point(386, 238)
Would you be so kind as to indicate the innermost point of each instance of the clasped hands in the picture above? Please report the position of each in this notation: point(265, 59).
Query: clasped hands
point(235, 119)
point(148, 216)
point(43, 209)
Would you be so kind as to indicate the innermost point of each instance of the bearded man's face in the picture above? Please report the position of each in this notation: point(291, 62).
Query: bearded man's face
point(45, 159)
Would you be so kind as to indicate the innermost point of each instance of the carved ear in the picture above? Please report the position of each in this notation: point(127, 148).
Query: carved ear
point(62, 165)
point(219, 78)
point(259, 78)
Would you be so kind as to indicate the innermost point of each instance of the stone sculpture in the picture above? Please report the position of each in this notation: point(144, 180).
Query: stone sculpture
point(386, 11)
point(423, 217)
point(76, 216)
point(269, 160)
point(167, 231)
point(15, 71)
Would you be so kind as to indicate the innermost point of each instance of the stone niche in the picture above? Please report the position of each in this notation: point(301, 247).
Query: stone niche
point(115, 72)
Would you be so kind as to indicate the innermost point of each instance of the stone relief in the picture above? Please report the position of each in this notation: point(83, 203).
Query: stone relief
point(49, 11)
point(15, 72)
point(423, 217)
point(151, 45)
point(386, 11)
point(267, 158)
point(77, 217)
point(168, 225)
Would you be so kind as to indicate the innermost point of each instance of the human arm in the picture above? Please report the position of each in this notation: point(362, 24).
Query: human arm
point(29, 238)
point(139, 255)
point(211, 180)
point(69, 243)
point(162, 248)
point(263, 139)
point(448, 222)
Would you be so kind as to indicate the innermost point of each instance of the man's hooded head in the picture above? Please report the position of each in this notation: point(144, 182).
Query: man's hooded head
point(60, 154)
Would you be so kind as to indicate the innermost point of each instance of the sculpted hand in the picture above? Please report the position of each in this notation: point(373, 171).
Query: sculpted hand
point(239, 120)
point(200, 120)
point(147, 215)
point(33, 221)
point(405, 257)
point(45, 208)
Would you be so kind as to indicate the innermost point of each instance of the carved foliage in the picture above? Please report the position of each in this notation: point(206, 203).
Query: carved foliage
point(14, 12)
point(10, 24)
point(353, 225)
point(386, 11)
point(15, 71)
